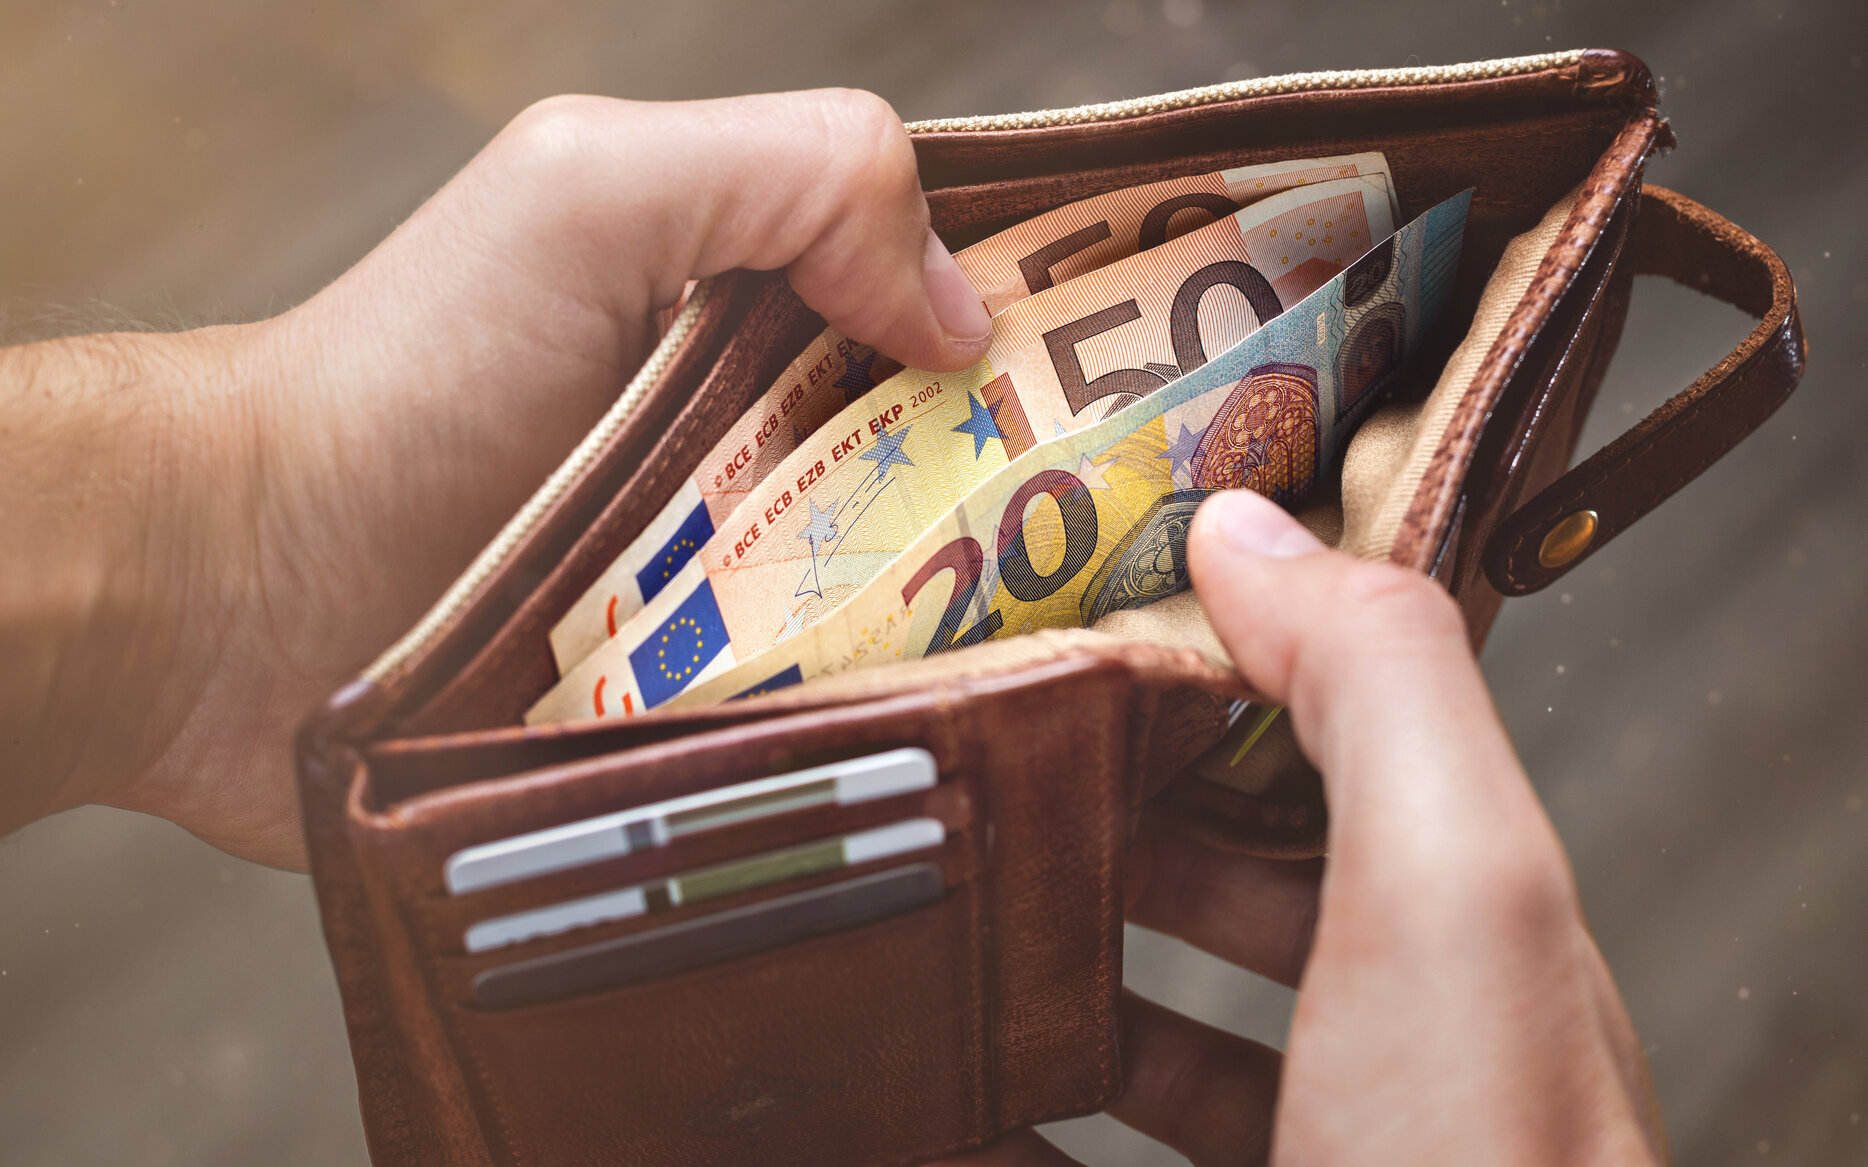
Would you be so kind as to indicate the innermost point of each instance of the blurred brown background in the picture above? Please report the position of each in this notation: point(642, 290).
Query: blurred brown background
point(1689, 702)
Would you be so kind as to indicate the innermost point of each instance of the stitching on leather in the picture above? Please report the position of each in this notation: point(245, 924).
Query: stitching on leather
point(500, 1119)
point(1457, 446)
point(984, 1091)
point(1441, 483)
point(946, 706)
point(1108, 843)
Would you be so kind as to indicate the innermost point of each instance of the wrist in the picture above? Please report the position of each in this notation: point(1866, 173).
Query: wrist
point(122, 460)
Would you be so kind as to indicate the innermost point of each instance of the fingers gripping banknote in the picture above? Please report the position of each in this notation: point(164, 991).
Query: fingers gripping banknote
point(1096, 521)
point(850, 499)
point(833, 371)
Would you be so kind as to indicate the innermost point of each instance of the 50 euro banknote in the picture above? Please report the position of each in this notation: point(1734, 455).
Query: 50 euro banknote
point(834, 371)
point(848, 501)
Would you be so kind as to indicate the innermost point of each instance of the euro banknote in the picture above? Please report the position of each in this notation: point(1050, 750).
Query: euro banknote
point(1097, 521)
point(833, 371)
point(849, 500)
point(1080, 237)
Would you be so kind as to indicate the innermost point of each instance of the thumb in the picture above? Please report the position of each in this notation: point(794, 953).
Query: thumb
point(1371, 659)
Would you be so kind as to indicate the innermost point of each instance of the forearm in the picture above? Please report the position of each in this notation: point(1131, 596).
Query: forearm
point(112, 556)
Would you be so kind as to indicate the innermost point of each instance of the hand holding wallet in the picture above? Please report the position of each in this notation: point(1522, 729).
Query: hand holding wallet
point(939, 1028)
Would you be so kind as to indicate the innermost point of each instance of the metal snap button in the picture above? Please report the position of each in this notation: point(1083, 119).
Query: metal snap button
point(1568, 539)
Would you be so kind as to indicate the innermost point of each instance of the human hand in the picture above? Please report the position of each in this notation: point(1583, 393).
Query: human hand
point(219, 527)
point(1451, 1006)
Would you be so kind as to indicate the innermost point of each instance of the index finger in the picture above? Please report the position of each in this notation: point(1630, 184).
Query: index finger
point(634, 198)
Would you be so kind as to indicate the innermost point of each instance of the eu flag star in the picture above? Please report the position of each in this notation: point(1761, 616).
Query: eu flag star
point(982, 423)
point(821, 529)
point(1094, 475)
point(1183, 450)
point(794, 623)
point(887, 451)
point(856, 380)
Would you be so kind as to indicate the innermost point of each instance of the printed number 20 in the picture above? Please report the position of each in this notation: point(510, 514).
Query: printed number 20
point(964, 555)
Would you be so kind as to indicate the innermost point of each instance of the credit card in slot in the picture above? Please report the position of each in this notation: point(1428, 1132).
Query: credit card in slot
point(657, 824)
point(706, 883)
point(668, 951)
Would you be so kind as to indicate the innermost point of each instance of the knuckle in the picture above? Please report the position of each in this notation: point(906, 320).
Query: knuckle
point(866, 141)
point(554, 133)
point(864, 116)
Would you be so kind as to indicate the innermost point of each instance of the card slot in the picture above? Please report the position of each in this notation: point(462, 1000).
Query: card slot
point(414, 840)
point(717, 938)
point(773, 869)
point(950, 801)
point(725, 1056)
point(730, 971)
point(458, 978)
point(583, 842)
point(441, 927)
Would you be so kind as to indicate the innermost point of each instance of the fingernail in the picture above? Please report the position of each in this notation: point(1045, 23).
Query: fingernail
point(956, 305)
point(1254, 525)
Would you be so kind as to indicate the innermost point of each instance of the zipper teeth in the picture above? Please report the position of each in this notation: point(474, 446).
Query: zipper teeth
point(1109, 111)
point(565, 476)
point(556, 487)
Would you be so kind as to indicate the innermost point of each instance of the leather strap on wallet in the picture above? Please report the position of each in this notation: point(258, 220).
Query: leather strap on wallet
point(1573, 517)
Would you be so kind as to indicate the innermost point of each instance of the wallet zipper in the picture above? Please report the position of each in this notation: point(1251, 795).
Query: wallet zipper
point(1113, 111)
point(516, 530)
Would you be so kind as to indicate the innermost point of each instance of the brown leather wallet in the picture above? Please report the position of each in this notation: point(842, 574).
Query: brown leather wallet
point(993, 1007)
